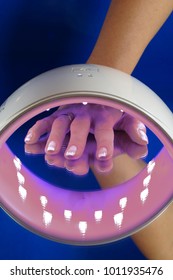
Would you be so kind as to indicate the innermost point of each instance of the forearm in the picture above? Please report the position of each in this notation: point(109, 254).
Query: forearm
point(128, 28)
point(119, 174)
point(156, 240)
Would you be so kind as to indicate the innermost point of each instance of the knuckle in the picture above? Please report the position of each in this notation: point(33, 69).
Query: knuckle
point(60, 120)
point(104, 131)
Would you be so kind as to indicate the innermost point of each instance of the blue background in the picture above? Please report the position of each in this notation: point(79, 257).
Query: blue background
point(40, 35)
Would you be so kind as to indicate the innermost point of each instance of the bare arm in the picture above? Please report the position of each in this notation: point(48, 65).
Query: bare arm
point(128, 28)
point(156, 240)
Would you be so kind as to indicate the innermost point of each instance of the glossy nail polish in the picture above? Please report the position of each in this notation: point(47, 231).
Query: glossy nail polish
point(28, 137)
point(51, 146)
point(71, 151)
point(143, 135)
point(102, 152)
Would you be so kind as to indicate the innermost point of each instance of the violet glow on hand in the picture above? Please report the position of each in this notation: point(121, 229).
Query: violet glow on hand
point(81, 166)
point(114, 132)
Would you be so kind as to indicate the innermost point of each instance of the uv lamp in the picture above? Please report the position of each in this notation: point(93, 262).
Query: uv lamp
point(85, 217)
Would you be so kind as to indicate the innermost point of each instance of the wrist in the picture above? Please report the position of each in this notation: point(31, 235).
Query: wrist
point(119, 63)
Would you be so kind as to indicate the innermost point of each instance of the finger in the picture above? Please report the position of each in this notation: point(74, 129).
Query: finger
point(103, 166)
point(37, 148)
point(124, 144)
point(59, 129)
point(38, 129)
point(135, 129)
point(105, 143)
point(56, 160)
point(78, 167)
point(79, 131)
point(137, 151)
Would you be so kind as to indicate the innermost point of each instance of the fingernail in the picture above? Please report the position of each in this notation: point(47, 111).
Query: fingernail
point(28, 137)
point(102, 152)
point(71, 151)
point(69, 168)
point(141, 126)
point(27, 151)
point(51, 146)
point(143, 135)
point(50, 162)
point(144, 155)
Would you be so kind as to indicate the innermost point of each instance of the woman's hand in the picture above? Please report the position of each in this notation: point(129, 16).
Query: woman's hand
point(115, 132)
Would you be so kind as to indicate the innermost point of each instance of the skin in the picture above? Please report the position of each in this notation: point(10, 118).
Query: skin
point(155, 241)
point(132, 23)
point(109, 126)
point(81, 165)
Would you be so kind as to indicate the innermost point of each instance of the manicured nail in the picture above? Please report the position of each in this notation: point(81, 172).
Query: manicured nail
point(102, 152)
point(144, 155)
point(51, 146)
point(69, 168)
point(71, 151)
point(141, 126)
point(28, 137)
point(143, 135)
point(50, 162)
point(27, 151)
